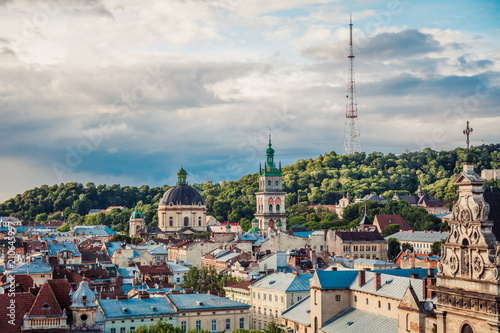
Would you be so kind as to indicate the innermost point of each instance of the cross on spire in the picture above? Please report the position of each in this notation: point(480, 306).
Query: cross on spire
point(467, 131)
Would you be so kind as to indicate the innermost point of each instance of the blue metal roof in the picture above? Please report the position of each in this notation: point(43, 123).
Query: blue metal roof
point(55, 248)
point(405, 272)
point(136, 308)
point(336, 279)
point(303, 234)
point(359, 321)
point(38, 266)
point(112, 247)
point(188, 302)
point(93, 230)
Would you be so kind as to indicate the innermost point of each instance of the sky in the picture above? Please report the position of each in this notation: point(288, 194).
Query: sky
point(128, 91)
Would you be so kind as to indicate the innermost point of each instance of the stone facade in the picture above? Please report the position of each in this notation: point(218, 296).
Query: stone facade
point(468, 298)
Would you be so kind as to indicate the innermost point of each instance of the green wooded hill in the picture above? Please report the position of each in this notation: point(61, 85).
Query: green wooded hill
point(322, 180)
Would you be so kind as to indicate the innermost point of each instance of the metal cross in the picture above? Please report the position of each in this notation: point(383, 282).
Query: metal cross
point(467, 131)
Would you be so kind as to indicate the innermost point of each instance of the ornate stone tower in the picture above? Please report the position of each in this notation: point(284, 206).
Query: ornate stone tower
point(270, 198)
point(467, 286)
point(83, 305)
point(136, 223)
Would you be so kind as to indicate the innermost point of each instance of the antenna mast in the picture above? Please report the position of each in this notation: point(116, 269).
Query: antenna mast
point(351, 130)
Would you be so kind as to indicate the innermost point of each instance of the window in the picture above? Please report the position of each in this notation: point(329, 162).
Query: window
point(228, 324)
point(276, 298)
point(270, 298)
point(171, 221)
point(214, 325)
point(407, 322)
point(184, 326)
point(254, 312)
point(379, 304)
point(132, 329)
point(198, 325)
point(242, 323)
point(276, 183)
point(270, 208)
point(254, 325)
point(178, 280)
point(122, 329)
point(265, 325)
point(337, 298)
point(367, 301)
point(186, 221)
point(258, 294)
point(199, 221)
point(260, 325)
point(264, 296)
point(281, 299)
point(258, 311)
point(268, 184)
point(299, 298)
point(277, 208)
point(113, 330)
point(355, 298)
point(276, 313)
point(389, 306)
point(265, 312)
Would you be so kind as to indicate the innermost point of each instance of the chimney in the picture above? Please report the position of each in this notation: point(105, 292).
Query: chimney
point(430, 272)
point(143, 295)
point(362, 278)
point(378, 282)
point(414, 275)
point(429, 281)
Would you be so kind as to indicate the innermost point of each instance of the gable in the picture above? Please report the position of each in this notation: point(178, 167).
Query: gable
point(410, 301)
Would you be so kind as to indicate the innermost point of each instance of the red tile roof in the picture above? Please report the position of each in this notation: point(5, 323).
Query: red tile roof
point(154, 270)
point(23, 304)
point(45, 303)
point(25, 281)
point(384, 220)
point(61, 289)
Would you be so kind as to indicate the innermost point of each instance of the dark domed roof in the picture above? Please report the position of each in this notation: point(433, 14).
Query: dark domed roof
point(182, 195)
point(136, 215)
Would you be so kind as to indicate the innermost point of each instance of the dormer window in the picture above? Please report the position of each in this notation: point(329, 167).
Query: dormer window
point(45, 306)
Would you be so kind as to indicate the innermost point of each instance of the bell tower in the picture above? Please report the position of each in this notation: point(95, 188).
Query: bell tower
point(271, 197)
point(467, 285)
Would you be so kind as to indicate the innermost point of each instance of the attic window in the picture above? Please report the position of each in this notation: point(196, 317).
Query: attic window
point(125, 309)
point(200, 303)
point(45, 306)
point(153, 308)
point(272, 282)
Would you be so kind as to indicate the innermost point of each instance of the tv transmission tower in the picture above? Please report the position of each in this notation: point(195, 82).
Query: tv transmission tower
point(351, 130)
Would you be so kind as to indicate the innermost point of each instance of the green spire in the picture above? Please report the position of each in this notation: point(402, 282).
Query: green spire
point(181, 177)
point(270, 168)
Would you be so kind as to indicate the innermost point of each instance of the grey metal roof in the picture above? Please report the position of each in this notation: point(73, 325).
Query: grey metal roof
point(336, 279)
point(159, 250)
point(419, 236)
point(136, 307)
point(299, 312)
point(285, 282)
point(359, 321)
point(373, 262)
point(190, 302)
point(34, 268)
point(391, 286)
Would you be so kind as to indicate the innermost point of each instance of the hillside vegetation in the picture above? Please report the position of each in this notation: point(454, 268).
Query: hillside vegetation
point(322, 180)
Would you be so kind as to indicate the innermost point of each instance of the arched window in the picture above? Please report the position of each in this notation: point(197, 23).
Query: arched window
point(277, 208)
point(199, 221)
point(276, 183)
point(467, 329)
point(270, 208)
point(315, 324)
point(268, 183)
point(407, 322)
point(186, 221)
point(171, 221)
point(315, 297)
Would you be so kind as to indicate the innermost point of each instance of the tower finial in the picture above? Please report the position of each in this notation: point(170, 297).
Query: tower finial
point(269, 137)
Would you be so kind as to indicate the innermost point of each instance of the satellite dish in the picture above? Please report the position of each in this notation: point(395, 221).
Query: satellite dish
point(429, 306)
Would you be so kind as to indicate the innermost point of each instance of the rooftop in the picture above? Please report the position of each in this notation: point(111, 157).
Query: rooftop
point(359, 321)
point(201, 302)
point(299, 312)
point(136, 308)
point(419, 236)
point(285, 282)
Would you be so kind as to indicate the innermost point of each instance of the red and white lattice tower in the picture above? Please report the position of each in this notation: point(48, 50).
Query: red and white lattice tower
point(351, 130)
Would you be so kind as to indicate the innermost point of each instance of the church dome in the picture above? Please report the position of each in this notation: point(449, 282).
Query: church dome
point(182, 195)
point(83, 297)
point(136, 215)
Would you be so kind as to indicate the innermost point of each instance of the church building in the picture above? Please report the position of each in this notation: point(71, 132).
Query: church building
point(182, 209)
point(271, 197)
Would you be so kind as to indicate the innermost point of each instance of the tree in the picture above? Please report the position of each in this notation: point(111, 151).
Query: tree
point(393, 248)
point(273, 327)
point(436, 247)
point(406, 246)
point(164, 327)
point(41, 217)
point(390, 229)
